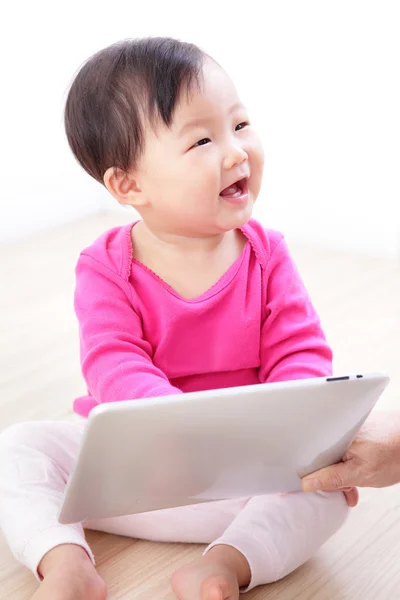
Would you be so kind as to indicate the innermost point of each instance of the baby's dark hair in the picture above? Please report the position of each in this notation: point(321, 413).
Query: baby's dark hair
point(117, 90)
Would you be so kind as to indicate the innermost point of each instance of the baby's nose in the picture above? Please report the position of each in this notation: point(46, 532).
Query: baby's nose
point(235, 156)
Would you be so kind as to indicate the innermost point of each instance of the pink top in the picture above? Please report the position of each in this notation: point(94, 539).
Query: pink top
point(140, 339)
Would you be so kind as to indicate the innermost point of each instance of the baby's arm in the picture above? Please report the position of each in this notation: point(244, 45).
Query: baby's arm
point(293, 345)
point(116, 359)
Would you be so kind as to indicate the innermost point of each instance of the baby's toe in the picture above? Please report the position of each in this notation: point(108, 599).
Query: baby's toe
point(219, 587)
point(213, 591)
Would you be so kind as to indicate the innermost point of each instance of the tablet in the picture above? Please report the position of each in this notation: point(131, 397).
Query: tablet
point(144, 455)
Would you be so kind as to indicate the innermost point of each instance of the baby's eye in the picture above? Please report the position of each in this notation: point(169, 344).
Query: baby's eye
point(241, 125)
point(202, 142)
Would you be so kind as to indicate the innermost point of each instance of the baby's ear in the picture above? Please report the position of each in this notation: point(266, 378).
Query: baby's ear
point(123, 186)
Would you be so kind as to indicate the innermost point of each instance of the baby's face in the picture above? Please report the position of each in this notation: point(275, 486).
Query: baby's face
point(185, 170)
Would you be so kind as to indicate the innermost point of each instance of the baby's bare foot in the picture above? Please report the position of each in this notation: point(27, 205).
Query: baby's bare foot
point(215, 576)
point(73, 578)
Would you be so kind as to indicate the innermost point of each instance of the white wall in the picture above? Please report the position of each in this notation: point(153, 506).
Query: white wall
point(321, 79)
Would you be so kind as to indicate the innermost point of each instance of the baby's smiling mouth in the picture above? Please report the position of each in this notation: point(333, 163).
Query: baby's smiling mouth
point(236, 190)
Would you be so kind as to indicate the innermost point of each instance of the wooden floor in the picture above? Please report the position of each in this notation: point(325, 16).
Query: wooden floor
point(359, 301)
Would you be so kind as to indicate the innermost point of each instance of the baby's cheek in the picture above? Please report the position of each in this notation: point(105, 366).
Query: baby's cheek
point(256, 158)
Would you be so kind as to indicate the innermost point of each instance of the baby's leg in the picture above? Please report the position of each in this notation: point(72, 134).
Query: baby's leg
point(35, 461)
point(256, 541)
point(269, 538)
point(200, 523)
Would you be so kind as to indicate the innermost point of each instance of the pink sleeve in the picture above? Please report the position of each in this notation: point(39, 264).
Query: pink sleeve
point(293, 345)
point(116, 361)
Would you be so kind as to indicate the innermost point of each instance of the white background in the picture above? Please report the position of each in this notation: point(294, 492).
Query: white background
point(321, 79)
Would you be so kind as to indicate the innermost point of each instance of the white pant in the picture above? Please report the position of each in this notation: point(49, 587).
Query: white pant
point(275, 533)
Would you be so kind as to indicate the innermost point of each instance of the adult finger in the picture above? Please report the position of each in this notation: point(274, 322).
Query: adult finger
point(352, 496)
point(335, 477)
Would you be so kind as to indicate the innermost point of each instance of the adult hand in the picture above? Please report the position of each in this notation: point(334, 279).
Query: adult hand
point(373, 460)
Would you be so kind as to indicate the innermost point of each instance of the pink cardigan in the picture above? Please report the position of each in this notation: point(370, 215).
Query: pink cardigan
point(140, 339)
